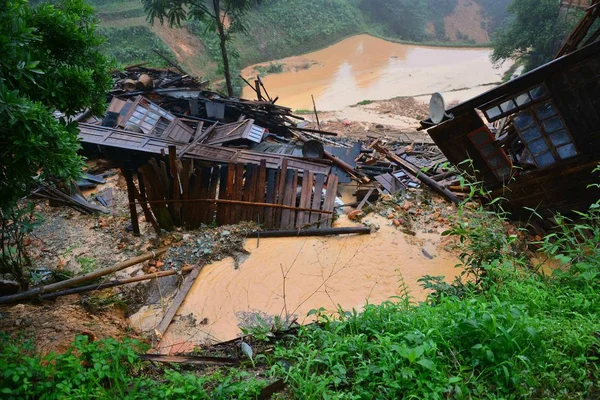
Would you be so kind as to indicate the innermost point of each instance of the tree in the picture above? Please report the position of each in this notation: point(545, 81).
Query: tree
point(533, 33)
point(222, 16)
point(406, 19)
point(50, 61)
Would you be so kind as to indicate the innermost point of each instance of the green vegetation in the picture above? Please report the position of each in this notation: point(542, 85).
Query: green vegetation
point(496, 13)
point(87, 264)
point(213, 16)
point(134, 44)
point(48, 52)
point(108, 370)
point(534, 33)
point(364, 102)
point(272, 68)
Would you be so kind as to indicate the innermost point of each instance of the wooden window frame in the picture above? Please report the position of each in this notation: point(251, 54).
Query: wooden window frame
point(539, 122)
point(499, 152)
point(517, 108)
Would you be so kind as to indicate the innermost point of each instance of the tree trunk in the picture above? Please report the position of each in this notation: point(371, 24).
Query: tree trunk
point(223, 40)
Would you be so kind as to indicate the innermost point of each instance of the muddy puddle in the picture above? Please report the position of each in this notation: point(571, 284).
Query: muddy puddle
point(291, 276)
point(367, 68)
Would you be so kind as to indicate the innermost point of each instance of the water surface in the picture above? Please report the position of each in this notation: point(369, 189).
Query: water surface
point(367, 68)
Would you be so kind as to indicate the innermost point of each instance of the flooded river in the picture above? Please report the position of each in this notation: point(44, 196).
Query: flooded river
point(367, 68)
point(291, 276)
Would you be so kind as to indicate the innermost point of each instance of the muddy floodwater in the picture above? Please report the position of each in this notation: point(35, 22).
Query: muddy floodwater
point(291, 276)
point(367, 68)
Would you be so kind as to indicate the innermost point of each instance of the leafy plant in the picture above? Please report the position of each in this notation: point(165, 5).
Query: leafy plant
point(48, 51)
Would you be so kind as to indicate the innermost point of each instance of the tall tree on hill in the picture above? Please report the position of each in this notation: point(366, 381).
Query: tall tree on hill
point(533, 33)
point(50, 61)
point(222, 16)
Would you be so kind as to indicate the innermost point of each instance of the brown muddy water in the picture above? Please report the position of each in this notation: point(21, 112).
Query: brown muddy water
point(291, 276)
point(367, 68)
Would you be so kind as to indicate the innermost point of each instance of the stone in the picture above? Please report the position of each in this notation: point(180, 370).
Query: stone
point(355, 215)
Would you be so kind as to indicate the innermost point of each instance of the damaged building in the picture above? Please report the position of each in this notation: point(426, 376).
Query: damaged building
point(534, 140)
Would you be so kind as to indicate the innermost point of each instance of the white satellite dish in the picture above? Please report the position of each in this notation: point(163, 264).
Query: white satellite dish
point(437, 109)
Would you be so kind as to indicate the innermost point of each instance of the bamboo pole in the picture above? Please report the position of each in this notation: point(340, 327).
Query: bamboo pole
point(237, 202)
point(81, 279)
point(116, 282)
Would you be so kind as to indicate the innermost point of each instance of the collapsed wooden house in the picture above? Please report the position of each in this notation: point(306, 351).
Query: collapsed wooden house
point(536, 139)
point(183, 184)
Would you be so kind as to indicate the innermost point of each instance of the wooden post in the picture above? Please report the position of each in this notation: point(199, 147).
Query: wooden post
point(316, 114)
point(131, 196)
point(258, 92)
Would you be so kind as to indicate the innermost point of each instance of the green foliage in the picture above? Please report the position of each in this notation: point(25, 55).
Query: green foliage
point(406, 19)
point(134, 44)
point(50, 61)
point(212, 14)
point(47, 52)
point(534, 33)
point(496, 13)
point(281, 28)
point(87, 264)
point(108, 370)
point(15, 224)
point(272, 68)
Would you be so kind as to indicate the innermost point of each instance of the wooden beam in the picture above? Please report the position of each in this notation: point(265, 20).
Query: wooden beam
point(360, 230)
point(177, 301)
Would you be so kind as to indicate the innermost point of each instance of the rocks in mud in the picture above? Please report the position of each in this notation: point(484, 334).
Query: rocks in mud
point(355, 215)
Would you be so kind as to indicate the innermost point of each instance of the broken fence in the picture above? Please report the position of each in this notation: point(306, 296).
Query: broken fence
point(188, 193)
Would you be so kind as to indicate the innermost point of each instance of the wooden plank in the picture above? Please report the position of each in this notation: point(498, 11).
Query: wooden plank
point(332, 184)
point(203, 209)
point(212, 193)
point(186, 169)
point(147, 213)
point(287, 198)
point(237, 195)
point(162, 327)
point(270, 198)
point(260, 195)
point(131, 196)
point(166, 187)
point(222, 194)
point(305, 198)
point(248, 194)
point(280, 192)
point(365, 199)
point(294, 191)
point(386, 181)
point(195, 192)
point(230, 192)
point(316, 202)
point(144, 172)
point(175, 185)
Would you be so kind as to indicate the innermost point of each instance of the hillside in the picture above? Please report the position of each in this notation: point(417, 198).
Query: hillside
point(282, 28)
